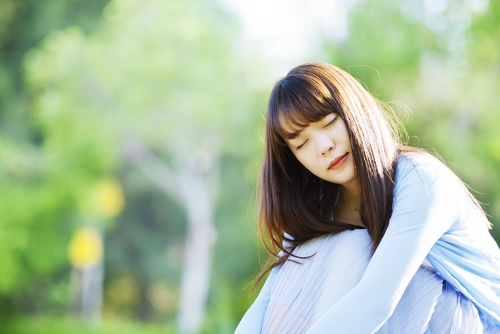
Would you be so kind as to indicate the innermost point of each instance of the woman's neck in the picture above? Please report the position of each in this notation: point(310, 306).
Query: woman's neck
point(350, 196)
point(347, 208)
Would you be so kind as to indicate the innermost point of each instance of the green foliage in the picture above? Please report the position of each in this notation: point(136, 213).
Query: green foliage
point(37, 199)
point(163, 73)
point(383, 46)
point(81, 79)
point(23, 24)
point(225, 306)
point(32, 206)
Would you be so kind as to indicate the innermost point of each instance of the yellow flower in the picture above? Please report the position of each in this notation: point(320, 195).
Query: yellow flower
point(109, 198)
point(85, 248)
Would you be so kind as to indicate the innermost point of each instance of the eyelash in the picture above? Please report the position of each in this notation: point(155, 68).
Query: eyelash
point(298, 147)
point(330, 123)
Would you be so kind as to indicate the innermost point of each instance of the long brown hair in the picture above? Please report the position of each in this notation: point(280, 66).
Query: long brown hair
point(295, 205)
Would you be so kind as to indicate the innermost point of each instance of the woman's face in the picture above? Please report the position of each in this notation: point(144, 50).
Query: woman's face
point(324, 148)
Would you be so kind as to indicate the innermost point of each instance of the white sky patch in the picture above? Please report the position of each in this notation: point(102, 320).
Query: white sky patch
point(435, 6)
point(478, 6)
point(291, 31)
point(332, 16)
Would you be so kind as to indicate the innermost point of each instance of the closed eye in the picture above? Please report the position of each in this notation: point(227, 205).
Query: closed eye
point(301, 145)
point(331, 122)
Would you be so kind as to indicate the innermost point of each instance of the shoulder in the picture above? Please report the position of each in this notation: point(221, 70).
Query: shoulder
point(427, 188)
point(422, 165)
point(422, 172)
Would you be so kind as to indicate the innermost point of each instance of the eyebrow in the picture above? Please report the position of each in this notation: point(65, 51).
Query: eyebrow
point(294, 134)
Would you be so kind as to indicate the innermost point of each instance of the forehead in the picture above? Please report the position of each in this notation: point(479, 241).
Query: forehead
point(295, 103)
point(289, 122)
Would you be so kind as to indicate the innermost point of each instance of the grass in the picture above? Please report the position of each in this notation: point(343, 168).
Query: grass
point(68, 325)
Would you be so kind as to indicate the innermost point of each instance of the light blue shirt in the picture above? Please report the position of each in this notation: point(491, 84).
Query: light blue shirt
point(432, 219)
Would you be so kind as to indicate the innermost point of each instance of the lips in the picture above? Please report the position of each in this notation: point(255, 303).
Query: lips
point(338, 162)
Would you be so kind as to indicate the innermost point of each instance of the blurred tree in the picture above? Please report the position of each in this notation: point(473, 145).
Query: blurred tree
point(162, 89)
point(23, 24)
point(162, 81)
point(37, 202)
point(479, 88)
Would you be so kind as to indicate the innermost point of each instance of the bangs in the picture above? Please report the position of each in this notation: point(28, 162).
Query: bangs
point(295, 103)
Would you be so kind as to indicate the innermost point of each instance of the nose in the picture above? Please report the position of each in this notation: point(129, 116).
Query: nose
point(325, 144)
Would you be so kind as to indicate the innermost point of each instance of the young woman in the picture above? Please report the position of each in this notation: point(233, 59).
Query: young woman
point(366, 235)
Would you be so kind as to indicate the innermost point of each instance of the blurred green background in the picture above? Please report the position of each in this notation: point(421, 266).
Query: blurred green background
point(130, 141)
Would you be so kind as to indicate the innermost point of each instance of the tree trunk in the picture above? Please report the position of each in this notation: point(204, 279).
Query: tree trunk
point(193, 185)
point(198, 247)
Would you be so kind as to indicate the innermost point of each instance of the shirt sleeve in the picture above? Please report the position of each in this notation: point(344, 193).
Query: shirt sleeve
point(425, 206)
point(252, 321)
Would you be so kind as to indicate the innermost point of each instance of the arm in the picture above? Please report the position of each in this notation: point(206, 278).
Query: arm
point(424, 208)
point(252, 321)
